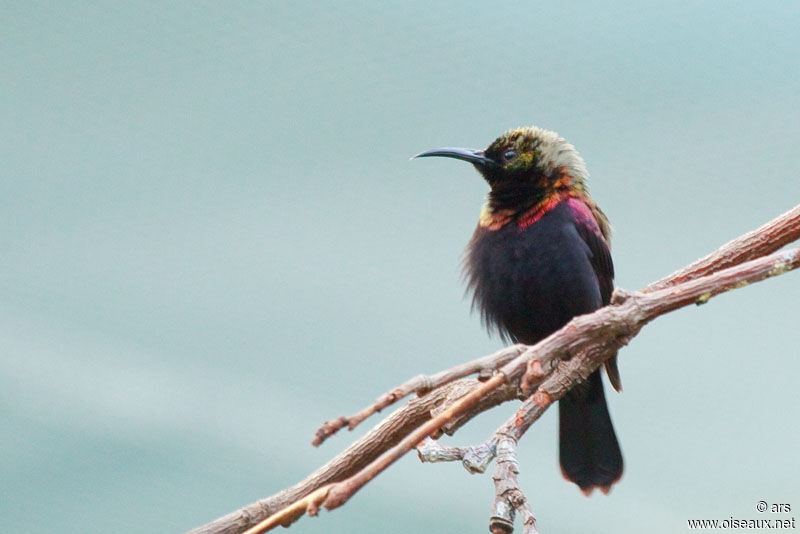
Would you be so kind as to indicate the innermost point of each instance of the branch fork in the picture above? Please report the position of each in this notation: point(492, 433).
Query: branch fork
point(509, 499)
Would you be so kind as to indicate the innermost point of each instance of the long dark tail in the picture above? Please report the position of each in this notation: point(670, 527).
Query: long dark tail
point(589, 452)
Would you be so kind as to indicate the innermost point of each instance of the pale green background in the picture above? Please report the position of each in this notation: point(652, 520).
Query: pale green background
point(212, 239)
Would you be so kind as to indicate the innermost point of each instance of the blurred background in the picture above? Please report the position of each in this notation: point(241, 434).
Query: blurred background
point(212, 239)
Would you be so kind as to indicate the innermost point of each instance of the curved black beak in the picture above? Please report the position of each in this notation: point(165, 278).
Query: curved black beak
point(476, 157)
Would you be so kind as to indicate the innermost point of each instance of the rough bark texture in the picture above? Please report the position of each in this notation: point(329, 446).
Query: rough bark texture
point(508, 497)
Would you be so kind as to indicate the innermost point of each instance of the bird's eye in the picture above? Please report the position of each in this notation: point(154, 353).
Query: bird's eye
point(509, 155)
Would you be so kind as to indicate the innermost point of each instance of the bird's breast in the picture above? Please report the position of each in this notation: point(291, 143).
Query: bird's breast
point(528, 281)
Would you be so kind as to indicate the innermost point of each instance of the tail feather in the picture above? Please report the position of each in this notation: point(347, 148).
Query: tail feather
point(612, 371)
point(589, 451)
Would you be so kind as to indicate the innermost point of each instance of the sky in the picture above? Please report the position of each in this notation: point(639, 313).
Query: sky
point(212, 240)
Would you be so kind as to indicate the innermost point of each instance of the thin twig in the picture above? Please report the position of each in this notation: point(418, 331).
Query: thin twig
point(508, 497)
point(475, 459)
point(342, 491)
point(308, 504)
point(420, 384)
point(359, 454)
point(764, 240)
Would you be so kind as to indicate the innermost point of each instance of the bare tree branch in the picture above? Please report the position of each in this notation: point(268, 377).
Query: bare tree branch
point(363, 451)
point(552, 367)
point(768, 238)
point(764, 240)
point(508, 497)
point(420, 385)
point(475, 459)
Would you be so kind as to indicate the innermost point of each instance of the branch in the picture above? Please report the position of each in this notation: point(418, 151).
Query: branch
point(475, 459)
point(597, 336)
point(764, 240)
point(509, 499)
point(363, 451)
point(421, 384)
point(584, 343)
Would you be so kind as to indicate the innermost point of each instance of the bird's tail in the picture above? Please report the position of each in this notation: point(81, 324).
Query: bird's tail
point(588, 449)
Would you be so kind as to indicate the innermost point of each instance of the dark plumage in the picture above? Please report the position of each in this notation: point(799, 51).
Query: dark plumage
point(538, 258)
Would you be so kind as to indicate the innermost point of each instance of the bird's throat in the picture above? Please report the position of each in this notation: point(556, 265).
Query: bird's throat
point(495, 219)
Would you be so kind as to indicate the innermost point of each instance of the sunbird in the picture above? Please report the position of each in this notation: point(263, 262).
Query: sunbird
point(539, 257)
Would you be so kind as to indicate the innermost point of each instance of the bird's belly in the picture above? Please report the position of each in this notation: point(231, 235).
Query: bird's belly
point(529, 283)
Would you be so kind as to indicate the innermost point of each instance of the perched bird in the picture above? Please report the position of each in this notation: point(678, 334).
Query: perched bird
point(539, 257)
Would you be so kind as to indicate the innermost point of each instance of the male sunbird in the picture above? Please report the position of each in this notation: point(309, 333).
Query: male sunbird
point(539, 257)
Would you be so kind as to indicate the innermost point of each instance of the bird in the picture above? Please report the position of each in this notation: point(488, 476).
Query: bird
point(540, 255)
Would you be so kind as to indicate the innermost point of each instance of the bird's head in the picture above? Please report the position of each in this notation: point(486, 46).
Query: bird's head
point(523, 167)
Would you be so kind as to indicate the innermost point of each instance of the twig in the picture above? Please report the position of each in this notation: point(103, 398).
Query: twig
point(764, 240)
point(420, 384)
point(308, 504)
point(364, 450)
point(475, 459)
point(342, 491)
point(508, 497)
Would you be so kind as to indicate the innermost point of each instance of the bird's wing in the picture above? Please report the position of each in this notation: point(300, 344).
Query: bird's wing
point(589, 230)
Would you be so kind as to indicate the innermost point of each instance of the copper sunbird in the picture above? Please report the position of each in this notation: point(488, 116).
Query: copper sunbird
point(539, 257)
